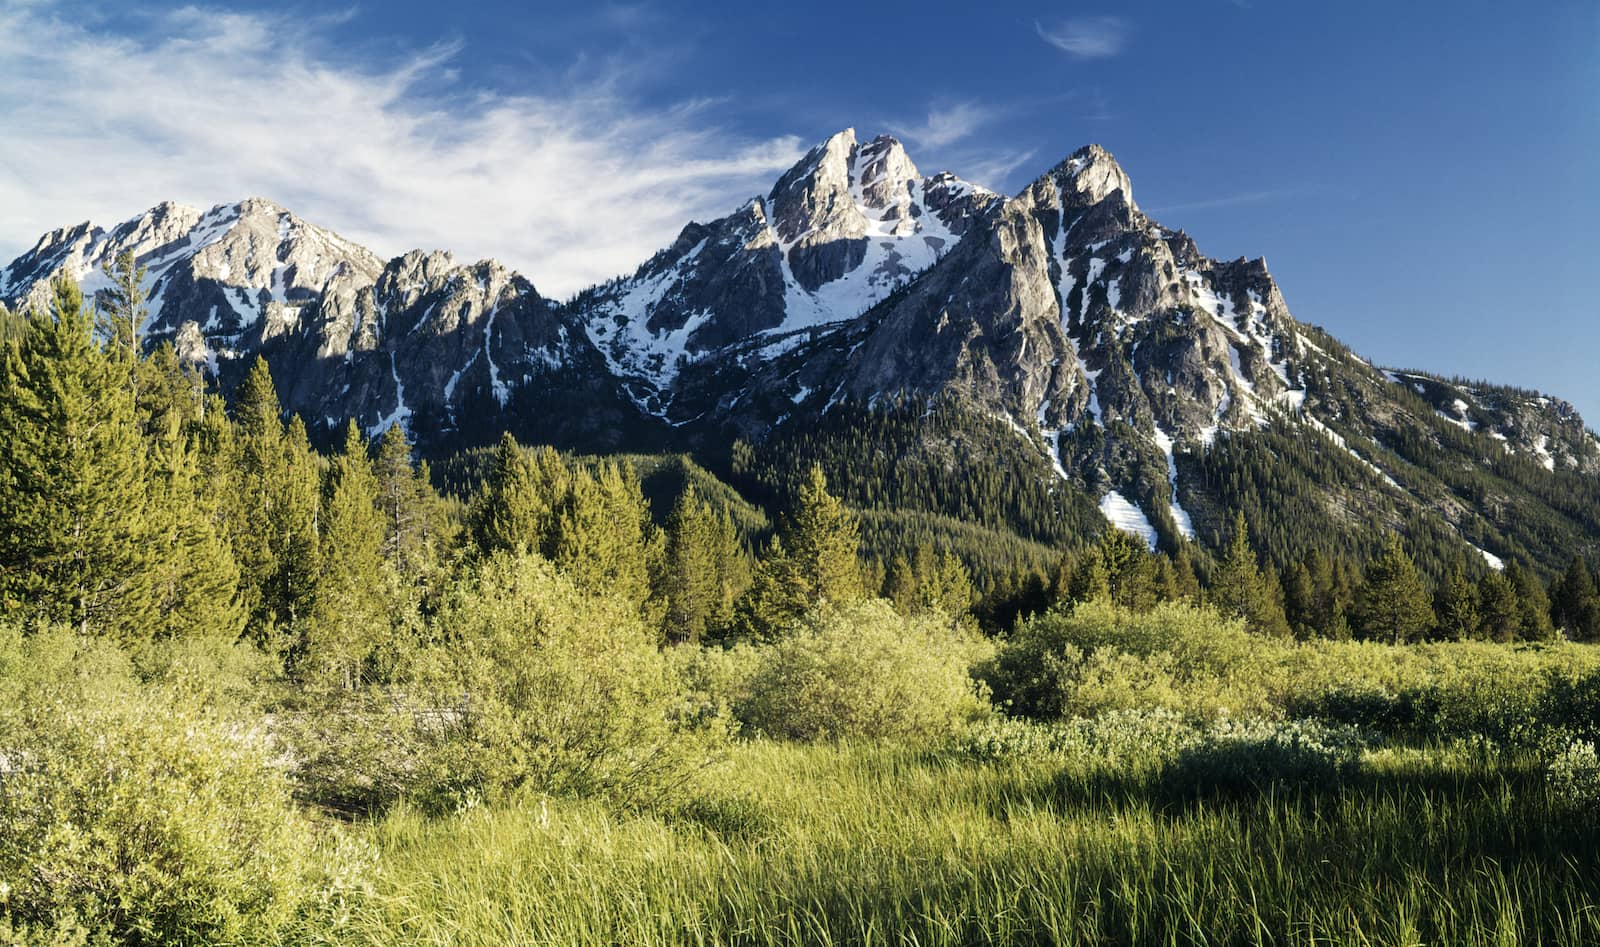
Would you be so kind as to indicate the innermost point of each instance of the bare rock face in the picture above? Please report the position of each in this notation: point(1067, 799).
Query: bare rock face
point(840, 231)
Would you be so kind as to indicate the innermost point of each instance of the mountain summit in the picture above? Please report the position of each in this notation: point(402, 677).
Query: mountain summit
point(1087, 346)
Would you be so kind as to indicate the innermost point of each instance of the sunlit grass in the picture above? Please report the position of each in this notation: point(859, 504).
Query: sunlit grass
point(883, 845)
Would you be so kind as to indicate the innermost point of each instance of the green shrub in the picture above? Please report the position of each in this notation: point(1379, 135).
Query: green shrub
point(1575, 776)
point(1097, 657)
point(864, 670)
point(1242, 756)
point(535, 684)
point(137, 814)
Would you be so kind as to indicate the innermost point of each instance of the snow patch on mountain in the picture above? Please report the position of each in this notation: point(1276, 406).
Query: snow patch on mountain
point(1125, 515)
point(1179, 514)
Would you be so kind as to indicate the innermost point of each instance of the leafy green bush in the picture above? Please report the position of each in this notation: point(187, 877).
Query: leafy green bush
point(535, 684)
point(863, 670)
point(137, 814)
point(1239, 756)
point(1575, 776)
point(1097, 657)
point(1152, 736)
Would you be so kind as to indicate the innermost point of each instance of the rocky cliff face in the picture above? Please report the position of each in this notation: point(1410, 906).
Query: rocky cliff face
point(442, 347)
point(1107, 341)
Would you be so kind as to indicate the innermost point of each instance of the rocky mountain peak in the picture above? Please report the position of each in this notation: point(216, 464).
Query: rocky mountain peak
point(1091, 175)
point(886, 178)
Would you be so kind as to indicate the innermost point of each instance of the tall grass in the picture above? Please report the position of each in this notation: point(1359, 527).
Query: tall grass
point(861, 844)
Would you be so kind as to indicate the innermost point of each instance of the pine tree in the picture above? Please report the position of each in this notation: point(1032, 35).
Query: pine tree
point(813, 559)
point(1575, 602)
point(274, 523)
point(1456, 605)
point(1499, 612)
point(73, 537)
point(1185, 584)
point(946, 587)
point(1533, 604)
point(348, 615)
point(195, 579)
point(122, 315)
point(1089, 580)
point(900, 585)
point(704, 572)
point(1392, 604)
point(517, 504)
point(415, 522)
point(603, 537)
point(1239, 589)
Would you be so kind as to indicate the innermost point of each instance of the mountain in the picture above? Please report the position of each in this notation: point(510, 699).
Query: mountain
point(1036, 364)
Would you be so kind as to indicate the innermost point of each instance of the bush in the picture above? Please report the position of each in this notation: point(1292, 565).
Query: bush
point(1575, 776)
point(1151, 737)
point(535, 684)
point(1241, 756)
point(137, 814)
point(863, 670)
point(1097, 657)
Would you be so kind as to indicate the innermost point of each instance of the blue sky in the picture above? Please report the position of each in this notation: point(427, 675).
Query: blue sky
point(1420, 176)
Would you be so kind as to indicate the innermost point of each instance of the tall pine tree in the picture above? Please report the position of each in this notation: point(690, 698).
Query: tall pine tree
point(74, 544)
point(1392, 604)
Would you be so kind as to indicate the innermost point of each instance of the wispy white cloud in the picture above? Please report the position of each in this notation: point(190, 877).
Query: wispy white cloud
point(946, 124)
point(571, 187)
point(1092, 37)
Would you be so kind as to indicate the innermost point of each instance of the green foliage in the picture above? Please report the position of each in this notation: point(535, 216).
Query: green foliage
point(1240, 589)
point(417, 526)
point(814, 559)
point(1392, 604)
point(1575, 602)
point(275, 513)
point(535, 684)
point(706, 569)
point(863, 670)
point(1098, 657)
point(348, 616)
point(1456, 606)
point(73, 536)
point(135, 815)
point(1575, 777)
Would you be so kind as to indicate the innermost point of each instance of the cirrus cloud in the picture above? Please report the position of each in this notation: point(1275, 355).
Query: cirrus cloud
point(1092, 37)
point(572, 187)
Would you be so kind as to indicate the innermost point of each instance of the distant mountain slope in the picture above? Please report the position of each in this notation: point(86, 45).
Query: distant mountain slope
point(1088, 365)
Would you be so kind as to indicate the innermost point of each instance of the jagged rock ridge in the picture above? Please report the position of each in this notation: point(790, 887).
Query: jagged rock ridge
point(1105, 339)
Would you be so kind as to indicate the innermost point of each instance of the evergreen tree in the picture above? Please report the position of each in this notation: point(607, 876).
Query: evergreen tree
point(704, 570)
point(1575, 602)
point(900, 585)
point(1456, 605)
point(415, 524)
point(348, 617)
point(516, 506)
point(274, 522)
point(1499, 612)
point(1392, 604)
point(195, 579)
point(1185, 586)
point(1089, 581)
point(1239, 589)
point(74, 544)
point(122, 315)
point(1533, 604)
point(603, 537)
point(945, 587)
point(813, 559)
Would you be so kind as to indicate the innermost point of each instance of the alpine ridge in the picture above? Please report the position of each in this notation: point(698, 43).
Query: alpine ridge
point(1116, 362)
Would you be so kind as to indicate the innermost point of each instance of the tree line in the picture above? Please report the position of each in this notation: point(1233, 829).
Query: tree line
point(135, 503)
